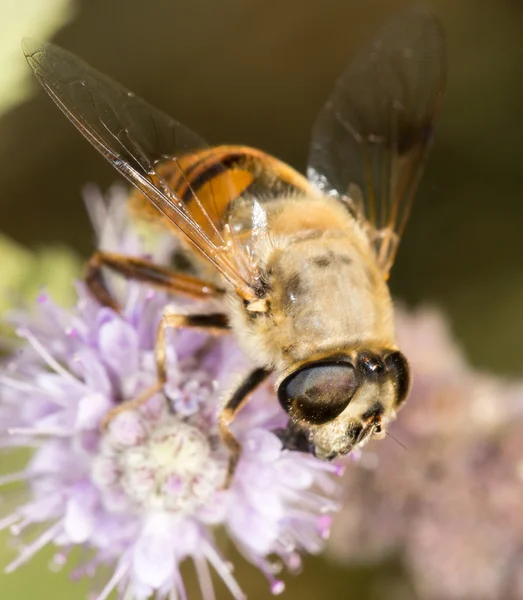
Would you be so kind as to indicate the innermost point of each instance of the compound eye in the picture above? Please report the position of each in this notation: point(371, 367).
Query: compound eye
point(318, 392)
point(398, 367)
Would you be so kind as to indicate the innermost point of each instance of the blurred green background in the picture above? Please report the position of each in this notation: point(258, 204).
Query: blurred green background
point(256, 73)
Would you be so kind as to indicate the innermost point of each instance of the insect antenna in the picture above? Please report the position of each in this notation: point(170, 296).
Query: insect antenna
point(397, 441)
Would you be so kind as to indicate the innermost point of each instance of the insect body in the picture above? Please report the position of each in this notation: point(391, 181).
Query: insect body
point(324, 324)
point(300, 263)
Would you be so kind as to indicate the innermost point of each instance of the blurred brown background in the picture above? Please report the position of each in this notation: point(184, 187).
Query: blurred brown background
point(256, 73)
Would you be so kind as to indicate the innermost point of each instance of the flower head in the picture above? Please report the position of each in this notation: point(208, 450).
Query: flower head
point(147, 494)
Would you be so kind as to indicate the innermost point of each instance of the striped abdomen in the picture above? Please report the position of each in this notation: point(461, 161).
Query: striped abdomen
point(207, 181)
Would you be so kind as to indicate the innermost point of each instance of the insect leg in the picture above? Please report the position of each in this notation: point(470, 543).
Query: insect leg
point(231, 407)
point(146, 271)
point(215, 323)
point(294, 438)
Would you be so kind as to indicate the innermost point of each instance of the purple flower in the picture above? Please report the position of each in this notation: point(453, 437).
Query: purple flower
point(450, 501)
point(147, 494)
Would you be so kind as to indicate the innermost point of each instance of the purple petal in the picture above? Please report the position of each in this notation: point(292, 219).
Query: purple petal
point(154, 559)
point(118, 343)
point(79, 519)
point(93, 372)
point(91, 410)
point(262, 445)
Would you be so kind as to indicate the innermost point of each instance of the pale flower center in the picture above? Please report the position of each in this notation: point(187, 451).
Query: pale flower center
point(165, 466)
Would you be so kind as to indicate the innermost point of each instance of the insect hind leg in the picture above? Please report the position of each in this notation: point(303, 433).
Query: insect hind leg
point(146, 271)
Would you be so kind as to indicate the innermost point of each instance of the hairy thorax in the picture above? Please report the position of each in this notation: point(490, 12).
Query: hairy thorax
point(324, 291)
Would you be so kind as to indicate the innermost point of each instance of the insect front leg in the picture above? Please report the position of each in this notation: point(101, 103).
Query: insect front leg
point(215, 323)
point(146, 271)
point(231, 407)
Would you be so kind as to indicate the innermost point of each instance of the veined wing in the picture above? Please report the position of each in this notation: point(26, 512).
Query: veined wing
point(371, 139)
point(137, 139)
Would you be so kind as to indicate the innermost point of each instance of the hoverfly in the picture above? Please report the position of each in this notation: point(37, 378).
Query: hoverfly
point(300, 263)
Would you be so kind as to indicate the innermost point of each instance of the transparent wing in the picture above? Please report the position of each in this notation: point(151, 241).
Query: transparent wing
point(136, 138)
point(371, 138)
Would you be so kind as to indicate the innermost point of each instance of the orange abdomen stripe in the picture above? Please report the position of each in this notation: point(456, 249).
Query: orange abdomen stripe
point(208, 180)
